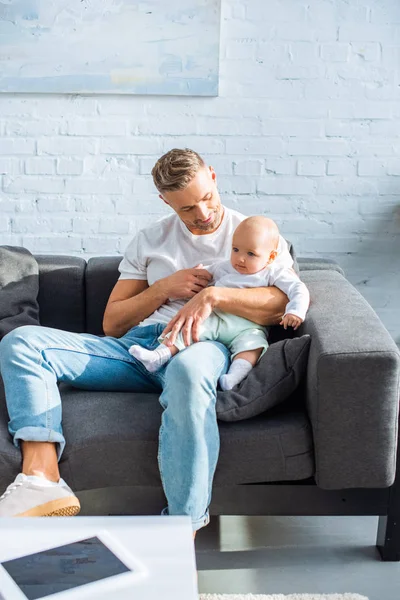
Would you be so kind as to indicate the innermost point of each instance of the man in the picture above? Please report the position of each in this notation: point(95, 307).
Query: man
point(163, 288)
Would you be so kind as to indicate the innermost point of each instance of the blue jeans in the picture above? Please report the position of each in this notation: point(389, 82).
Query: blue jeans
point(33, 359)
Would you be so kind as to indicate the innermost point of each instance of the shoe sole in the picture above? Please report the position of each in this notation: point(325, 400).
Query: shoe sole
point(63, 507)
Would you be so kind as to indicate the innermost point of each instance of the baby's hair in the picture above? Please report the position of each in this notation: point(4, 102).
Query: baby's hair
point(264, 224)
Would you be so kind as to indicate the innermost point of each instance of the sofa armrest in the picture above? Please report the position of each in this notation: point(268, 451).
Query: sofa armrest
point(352, 387)
point(318, 264)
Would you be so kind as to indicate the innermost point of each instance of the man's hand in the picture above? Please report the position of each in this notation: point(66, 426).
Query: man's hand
point(186, 283)
point(190, 317)
point(291, 321)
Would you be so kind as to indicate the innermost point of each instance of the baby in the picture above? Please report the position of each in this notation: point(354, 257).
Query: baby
point(254, 262)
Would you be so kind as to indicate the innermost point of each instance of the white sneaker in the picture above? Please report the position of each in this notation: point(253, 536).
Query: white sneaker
point(26, 498)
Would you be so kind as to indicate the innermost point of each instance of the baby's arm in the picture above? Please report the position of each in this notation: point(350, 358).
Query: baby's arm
point(298, 294)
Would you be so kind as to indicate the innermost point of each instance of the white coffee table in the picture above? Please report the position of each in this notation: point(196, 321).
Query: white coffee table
point(163, 544)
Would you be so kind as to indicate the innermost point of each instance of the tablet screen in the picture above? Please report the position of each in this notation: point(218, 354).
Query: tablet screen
point(64, 568)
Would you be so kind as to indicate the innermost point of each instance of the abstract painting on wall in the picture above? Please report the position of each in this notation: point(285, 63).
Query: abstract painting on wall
point(110, 46)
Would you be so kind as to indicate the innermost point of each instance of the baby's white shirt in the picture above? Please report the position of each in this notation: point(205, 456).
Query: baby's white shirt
point(280, 274)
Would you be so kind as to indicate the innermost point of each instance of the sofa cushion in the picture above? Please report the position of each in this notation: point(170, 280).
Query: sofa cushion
point(270, 382)
point(112, 440)
point(19, 286)
point(274, 446)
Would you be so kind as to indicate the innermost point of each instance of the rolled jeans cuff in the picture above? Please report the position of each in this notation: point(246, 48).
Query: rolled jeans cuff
point(196, 523)
point(40, 434)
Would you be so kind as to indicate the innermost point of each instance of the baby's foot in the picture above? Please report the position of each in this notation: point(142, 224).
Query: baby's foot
point(225, 383)
point(151, 359)
point(239, 369)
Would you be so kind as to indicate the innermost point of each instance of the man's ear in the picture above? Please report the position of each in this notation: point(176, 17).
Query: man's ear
point(163, 199)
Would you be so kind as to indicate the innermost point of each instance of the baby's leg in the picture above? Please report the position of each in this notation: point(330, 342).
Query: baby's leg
point(241, 366)
point(153, 360)
point(251, 356)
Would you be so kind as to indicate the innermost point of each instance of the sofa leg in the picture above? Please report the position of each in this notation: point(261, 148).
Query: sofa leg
point(388, 538)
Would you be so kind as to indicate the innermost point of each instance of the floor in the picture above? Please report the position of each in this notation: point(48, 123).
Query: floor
point(269, 555)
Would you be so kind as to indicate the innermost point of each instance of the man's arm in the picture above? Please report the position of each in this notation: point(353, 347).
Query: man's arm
point(131, 301)
point(264, 305)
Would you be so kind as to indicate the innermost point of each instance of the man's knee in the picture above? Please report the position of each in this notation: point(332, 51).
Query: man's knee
point(197, 364)
point(183, 370)
point(19, 334)
point(16, 338)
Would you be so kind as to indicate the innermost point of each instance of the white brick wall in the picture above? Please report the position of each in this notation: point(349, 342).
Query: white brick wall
point(306, 129)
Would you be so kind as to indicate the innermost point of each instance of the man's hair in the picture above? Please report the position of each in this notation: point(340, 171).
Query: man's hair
point(176, 169)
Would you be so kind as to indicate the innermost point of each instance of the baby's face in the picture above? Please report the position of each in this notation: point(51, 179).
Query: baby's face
point(251, 250)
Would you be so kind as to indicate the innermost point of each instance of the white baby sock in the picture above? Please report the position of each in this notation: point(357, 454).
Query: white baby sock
point(237, 371)
point(151, 359)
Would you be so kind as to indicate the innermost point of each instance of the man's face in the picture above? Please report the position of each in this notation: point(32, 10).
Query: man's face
point(199, 204)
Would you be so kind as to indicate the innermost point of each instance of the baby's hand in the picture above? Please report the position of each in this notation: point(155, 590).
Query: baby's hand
point(291, 321)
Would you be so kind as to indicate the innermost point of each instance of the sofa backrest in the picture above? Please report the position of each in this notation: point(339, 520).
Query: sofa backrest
point(62, 292)
point(101, 276)
point(73, 294)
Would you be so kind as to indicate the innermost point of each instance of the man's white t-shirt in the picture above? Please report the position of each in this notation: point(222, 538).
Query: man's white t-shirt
point(168, 246)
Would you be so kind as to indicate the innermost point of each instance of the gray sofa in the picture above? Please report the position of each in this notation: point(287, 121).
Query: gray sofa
point(329, 449)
